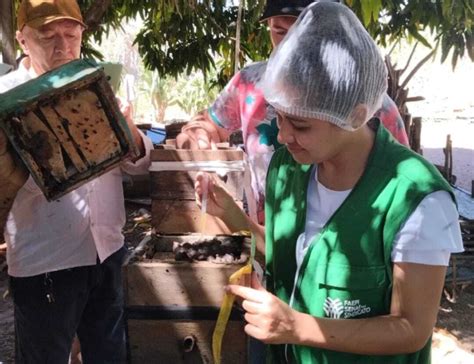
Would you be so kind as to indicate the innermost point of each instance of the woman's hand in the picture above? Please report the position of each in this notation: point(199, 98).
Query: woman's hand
point(219, 201)
point(269, 319)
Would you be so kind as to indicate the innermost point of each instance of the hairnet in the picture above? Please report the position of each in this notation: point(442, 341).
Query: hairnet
point(325, 67)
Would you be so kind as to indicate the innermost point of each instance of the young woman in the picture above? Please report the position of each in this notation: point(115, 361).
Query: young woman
point(358, 228)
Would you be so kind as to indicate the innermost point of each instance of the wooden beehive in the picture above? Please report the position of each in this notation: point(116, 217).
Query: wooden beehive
point(174, 209)
point(66, 127)
point(172, 306)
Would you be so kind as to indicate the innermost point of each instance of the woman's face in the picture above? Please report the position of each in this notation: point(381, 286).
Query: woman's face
point(279, 26)
point(310, 140)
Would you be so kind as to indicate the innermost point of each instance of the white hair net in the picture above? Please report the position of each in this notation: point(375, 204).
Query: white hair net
point(325, 68)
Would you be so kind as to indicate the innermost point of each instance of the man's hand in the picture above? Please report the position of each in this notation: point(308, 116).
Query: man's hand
point(3, 143)
point(201, 133)
point(13, 175)
point(11, 171)
point(127, 112)
point(269, 319)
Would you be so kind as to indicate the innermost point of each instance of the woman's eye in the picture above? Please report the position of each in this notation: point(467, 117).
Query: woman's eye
point(300, 127)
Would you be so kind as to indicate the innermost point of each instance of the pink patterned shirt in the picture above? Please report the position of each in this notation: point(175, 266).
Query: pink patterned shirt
point(241, 105)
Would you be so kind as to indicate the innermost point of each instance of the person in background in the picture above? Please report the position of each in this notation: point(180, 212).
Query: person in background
point(64, 257)
point(358, 228)
point(242, 106)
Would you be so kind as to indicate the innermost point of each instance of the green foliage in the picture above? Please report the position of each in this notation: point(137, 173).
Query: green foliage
point(450, 21)
point(192, 93)
point(173, 43)
point(195, 94)
point(185, 35)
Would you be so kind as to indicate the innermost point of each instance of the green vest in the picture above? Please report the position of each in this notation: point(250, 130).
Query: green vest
point(347, 270)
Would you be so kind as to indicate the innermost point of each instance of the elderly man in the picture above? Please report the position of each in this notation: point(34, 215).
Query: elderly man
point(64, 257)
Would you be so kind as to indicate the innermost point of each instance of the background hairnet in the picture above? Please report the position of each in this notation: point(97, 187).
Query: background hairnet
point(326, 66)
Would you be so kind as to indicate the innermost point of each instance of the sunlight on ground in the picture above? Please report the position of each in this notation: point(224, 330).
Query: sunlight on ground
point(446, 350)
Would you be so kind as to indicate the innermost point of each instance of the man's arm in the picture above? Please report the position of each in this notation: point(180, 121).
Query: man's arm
point(201, 133)
point(415, 300)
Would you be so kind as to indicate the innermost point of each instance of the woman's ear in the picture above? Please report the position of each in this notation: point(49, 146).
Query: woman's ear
point(358, 116)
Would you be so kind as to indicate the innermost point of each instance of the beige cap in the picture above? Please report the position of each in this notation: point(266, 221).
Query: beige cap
point(36, 13)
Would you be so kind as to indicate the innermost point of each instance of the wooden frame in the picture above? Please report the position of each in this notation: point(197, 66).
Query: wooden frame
point(66, 127)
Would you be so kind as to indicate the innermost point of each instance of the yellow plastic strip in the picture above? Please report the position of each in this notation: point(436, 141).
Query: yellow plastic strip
point(224, 313)
point(226, 307)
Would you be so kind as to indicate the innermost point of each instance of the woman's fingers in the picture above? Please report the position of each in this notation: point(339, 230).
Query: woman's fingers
point(251, 307)
point(247, 293)
point(254, 331)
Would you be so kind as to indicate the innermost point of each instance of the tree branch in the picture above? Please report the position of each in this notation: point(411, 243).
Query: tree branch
point(94, 15)
point(417, 67)
point(409, 58)
point(8, 32)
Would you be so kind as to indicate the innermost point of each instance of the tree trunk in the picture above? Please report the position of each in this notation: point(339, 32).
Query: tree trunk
point(8, 32)
point(237, 36)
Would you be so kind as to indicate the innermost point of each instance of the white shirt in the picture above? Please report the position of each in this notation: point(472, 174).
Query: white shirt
point(73, 231)
point(429, 235)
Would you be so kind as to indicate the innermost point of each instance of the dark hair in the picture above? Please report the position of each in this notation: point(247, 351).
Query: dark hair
point(288, 7)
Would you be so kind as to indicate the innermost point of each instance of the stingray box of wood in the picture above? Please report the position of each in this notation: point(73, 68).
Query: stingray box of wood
point(66, 126)
point(173, 291)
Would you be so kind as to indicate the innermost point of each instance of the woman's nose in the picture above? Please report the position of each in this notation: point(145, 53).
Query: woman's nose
point(285, 134)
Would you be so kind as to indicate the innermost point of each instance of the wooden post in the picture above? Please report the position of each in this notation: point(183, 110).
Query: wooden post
point(7, 30)
point(407, 122)
point(415, 134)
point(448, 159)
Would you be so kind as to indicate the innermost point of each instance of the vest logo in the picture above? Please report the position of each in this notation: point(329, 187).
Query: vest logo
point(333, 308)
point(337, 309)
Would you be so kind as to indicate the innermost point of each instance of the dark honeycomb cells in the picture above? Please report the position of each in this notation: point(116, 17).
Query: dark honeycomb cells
point(230, 247)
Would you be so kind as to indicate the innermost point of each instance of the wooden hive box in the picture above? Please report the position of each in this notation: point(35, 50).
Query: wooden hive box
point(66, 127)
point(172, 306)
point(174, 209)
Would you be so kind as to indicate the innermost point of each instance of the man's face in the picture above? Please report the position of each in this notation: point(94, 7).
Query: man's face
point(279, 26)
point(51, 45)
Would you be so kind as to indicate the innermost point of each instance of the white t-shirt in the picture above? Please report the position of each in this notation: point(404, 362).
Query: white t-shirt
point(73, 231)
point(429, 235)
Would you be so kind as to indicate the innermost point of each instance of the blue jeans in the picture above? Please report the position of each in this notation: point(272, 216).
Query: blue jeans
point(50, 308)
